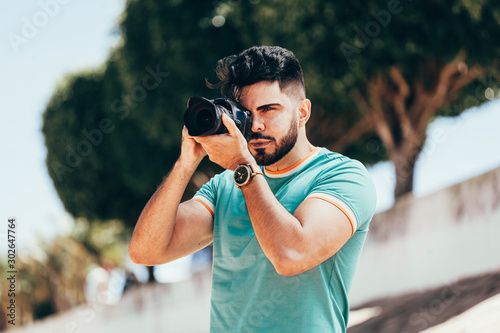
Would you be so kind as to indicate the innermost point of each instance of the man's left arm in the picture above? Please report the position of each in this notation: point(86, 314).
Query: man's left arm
point(295, 243)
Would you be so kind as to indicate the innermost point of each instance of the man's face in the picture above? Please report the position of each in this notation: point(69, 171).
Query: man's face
point(274, 121)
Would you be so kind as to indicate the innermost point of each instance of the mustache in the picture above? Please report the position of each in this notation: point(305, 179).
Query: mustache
point(261, 136)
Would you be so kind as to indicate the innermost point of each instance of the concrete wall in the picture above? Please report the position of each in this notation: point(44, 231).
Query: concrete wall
point(432, 241)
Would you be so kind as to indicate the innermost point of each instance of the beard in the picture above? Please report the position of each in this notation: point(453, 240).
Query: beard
point(283, 147)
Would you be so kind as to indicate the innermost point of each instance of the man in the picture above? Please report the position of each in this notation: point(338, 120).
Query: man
point(287, 227)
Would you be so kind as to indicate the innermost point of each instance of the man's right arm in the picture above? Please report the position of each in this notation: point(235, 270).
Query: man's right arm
point(167, 230)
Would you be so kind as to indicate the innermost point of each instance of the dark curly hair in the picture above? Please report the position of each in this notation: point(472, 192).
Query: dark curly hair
point(256, 64)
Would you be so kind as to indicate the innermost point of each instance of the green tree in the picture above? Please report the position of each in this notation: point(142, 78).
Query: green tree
point(377, 72)
point(102, 165)
point(113, 133)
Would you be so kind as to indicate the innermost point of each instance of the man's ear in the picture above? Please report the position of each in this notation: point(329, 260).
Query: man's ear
point(304, 111)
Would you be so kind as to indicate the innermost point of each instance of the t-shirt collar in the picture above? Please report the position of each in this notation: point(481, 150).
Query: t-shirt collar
point(293, 168)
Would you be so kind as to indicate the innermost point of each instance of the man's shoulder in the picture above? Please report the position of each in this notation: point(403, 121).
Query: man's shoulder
point(332, 161)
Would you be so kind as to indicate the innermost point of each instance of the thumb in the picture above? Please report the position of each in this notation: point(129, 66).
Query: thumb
point(230, 125)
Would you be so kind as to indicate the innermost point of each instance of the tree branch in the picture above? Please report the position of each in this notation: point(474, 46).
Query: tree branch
point(463, 80)
point(363, 126)
point(419, 101)
point(375, 112)
point(440, 94)
point(399, 99)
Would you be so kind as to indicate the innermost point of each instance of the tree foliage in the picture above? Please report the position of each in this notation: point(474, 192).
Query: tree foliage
point(377, 73)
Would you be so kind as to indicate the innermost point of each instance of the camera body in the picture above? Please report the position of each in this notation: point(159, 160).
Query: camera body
point(203, 117)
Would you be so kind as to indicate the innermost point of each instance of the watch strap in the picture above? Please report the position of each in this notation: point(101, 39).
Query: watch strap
point(255, 169)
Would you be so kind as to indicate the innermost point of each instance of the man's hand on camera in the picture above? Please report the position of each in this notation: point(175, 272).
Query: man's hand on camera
point(191, 151)
point(229, 149)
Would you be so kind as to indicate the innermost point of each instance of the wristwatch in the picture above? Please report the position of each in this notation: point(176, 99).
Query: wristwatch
point(244, 173)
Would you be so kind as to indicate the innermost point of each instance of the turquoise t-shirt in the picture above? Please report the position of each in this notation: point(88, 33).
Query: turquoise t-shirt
point(247, 293)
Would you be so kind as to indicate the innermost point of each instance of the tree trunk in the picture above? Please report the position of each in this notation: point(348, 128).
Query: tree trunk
point(400, 112)
point(404, 160)
point(404, 174)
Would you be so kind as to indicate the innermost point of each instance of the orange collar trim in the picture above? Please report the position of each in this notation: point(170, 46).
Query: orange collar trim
point(290, 168)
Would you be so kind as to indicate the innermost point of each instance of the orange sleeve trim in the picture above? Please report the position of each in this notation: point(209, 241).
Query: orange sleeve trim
point(206, 206)
point(339, 207)
point(293, 166)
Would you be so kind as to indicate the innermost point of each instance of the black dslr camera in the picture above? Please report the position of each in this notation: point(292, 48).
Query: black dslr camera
point(203, 117)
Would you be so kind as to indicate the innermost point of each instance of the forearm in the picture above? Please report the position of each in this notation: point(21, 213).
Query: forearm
point(155, 226)
point(279, 233)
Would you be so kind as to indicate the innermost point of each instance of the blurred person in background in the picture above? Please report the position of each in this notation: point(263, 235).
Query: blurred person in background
point(287, 219)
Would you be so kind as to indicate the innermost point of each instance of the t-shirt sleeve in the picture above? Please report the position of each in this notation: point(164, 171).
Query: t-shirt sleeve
point(207, 194)
point(349, 187)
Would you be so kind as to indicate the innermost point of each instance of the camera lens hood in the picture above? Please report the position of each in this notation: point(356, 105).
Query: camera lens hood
point(203, 117)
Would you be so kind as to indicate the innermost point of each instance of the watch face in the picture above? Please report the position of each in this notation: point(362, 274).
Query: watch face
point(241, 175)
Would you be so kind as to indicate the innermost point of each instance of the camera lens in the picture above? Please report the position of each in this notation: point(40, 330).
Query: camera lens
point(204, 118)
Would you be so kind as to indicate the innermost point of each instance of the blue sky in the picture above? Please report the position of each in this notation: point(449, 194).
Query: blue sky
point(77, 35)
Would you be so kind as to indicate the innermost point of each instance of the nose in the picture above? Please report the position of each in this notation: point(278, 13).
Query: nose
point(257, 123)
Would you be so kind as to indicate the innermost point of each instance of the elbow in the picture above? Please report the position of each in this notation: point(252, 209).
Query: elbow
point(287, 270)
point(139, 256)
point(145, 261)
point(289, 265)
point(134, 255)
